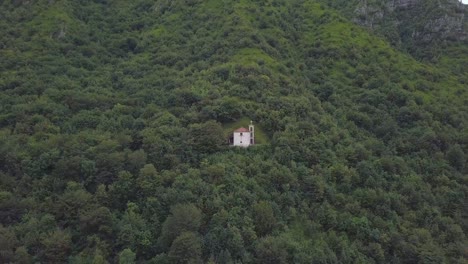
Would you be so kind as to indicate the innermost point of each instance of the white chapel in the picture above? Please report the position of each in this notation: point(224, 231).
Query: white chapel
point(244, 137)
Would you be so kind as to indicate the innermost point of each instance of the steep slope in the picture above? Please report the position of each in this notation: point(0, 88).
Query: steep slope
point(112, 144)
point(410, 23)
point(433, 31)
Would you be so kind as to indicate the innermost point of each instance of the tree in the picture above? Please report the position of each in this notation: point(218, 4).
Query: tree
point(127, 256)
point(134, 231)
point(72, 203)
point(97, 220)
point(148, 180)
point(183, 218)
point(456, 157)
point(98, 258)
point(8, 243)
point(137, 159)
point(264, 218)
point(186, 248)
point(271, 250)
point(57, 246)
point(22, 256)
point(206, 138)
point(124, 188)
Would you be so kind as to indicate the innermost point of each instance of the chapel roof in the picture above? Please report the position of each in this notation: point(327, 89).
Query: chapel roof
point(242, 129)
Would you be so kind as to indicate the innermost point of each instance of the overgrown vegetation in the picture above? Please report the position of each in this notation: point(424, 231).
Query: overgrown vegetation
point(112, 137)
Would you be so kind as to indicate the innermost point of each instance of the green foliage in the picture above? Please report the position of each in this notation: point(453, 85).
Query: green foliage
point(114, 119)
point(456, 157)
point(264, 218)
point(183, 218)
point(186, 248)
point(127, 257)
point(8, 243)
point(271, 250)
point(57, 246)
point(206, 137)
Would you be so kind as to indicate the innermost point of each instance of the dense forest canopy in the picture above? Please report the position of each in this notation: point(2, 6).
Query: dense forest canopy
point(113, 120)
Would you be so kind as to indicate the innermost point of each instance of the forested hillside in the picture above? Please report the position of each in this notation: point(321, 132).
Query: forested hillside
point(434, 31)
point(113, 148)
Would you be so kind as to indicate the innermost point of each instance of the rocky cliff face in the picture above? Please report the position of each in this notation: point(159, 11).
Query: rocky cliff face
point(403, 3)
point(415, 20)
point(414, 25)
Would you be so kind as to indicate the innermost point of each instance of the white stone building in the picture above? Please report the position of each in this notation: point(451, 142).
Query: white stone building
point(244, 137)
